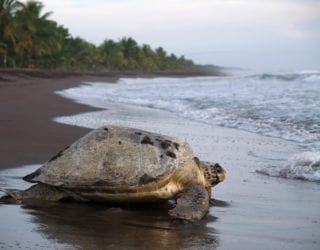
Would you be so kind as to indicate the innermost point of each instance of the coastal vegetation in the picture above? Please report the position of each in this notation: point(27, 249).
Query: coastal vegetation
point(29, 39)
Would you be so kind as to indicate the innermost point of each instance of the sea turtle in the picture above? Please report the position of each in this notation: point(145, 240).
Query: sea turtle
point(120, 164)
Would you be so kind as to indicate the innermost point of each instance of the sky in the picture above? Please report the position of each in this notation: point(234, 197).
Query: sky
point(270, 35)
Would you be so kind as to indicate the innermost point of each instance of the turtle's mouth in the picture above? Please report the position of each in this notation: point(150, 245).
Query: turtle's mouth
point(214, 183)
point(220, 177)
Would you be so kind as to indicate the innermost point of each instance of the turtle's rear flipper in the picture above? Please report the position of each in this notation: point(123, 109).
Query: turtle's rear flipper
point(193, 204)
point(43, 192)
point(10, 197)
point(39, 192)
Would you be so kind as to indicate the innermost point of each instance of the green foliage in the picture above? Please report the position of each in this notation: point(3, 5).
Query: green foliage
point(29, 39)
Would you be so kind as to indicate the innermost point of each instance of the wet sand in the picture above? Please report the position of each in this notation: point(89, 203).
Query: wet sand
point(250, 211)
point(28, 103)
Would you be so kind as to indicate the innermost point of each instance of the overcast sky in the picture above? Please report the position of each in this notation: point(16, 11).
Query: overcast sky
point(256, 34)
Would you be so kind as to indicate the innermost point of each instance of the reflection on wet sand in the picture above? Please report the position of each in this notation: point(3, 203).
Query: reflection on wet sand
point(72, 225)
point(95, 226)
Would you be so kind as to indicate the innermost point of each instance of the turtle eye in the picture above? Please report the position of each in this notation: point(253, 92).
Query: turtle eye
point(218, 168)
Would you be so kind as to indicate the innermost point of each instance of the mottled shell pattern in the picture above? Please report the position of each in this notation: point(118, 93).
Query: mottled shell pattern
point(115, 157)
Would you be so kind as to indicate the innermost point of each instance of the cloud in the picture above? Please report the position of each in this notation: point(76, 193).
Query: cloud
point(135, 16)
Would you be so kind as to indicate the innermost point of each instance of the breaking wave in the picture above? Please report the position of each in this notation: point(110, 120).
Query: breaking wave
point(302, 76)
point(304, 166)
point(283, 105)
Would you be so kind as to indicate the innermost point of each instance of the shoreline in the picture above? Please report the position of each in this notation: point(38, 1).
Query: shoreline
point(28, 105)
point(10, 75)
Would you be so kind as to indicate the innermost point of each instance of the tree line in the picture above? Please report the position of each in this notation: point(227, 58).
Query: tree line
point(28, 39)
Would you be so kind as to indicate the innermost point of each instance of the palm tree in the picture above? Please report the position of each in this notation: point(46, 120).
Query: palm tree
point(131, 52)
point(112, 55)
point(129, 47)
point(8, 28)
point(162, 55)
point(38, 35)
point(149, 60)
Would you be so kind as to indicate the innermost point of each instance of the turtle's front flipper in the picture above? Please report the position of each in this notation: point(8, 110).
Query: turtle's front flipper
point(193, 204)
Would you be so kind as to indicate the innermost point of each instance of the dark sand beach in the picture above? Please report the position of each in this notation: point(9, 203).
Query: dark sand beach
point(28, 104)
point(250, 211)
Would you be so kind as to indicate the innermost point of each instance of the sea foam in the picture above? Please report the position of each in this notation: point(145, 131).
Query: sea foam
point(12, 178)
point(285, 106)
point(305, 166)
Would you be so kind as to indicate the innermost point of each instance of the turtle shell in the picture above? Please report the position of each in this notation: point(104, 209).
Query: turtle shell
point(114, 156)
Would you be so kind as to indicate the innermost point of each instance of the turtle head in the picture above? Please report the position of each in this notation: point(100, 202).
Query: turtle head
point(213, 172)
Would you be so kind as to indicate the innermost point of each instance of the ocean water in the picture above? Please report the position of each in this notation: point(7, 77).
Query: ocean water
point(285, 106)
